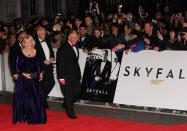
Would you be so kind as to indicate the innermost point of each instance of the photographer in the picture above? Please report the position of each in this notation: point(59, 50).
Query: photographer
point(153, 39)
point(182, 38)
point(93, 11)
point(2, 40)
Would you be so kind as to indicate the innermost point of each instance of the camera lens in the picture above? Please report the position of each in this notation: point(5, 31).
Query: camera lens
point(182, 34)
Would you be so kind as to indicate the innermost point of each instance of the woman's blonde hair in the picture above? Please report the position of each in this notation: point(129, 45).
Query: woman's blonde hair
point(28, 39)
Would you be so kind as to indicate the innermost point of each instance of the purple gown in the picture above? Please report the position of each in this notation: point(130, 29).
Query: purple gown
point(29, 102)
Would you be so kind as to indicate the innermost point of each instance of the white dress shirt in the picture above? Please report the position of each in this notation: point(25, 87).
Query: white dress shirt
point(45, 49)
point(102, 66)
point(74, 48)
point(21, 46)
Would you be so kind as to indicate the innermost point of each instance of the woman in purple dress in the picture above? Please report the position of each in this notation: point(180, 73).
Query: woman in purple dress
point(29, 102)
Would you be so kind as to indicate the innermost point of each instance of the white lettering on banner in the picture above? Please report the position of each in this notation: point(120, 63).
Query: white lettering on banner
point(153, 79)
point(97, 91)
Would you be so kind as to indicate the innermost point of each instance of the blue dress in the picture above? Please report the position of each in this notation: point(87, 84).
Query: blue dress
point(29, 101)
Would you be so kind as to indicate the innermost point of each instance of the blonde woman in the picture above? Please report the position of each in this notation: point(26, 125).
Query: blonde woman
point(29, 101)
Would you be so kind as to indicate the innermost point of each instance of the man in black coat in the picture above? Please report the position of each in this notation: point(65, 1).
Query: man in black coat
point(85, 40)
point(46, 54)
point(101, 71)
point(68, 72)
point(13, 53)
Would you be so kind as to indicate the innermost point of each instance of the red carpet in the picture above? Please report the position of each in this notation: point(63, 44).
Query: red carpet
point(57, 121)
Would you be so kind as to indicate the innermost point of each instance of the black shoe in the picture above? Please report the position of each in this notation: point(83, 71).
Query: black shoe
point(72, 117)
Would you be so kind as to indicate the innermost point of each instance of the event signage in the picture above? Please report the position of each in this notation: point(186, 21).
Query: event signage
point(153, 79)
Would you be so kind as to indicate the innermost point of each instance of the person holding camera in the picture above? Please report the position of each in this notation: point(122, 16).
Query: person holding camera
point(182, 38)
point(2, 40)
point(29, 100)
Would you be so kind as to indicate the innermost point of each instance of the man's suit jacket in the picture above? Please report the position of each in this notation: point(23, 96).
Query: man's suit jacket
point(41, 51)
point(105, 73)
point(13, 53)
point(67, 64)
point(86, 43)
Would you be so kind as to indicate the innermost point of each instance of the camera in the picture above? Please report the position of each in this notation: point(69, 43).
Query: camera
point(182, 34)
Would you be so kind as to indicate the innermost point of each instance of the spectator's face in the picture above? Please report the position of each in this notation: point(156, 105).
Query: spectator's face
point(41, 32)
point(185, 35)
point(88, 21)
point(77, 22)
point(158, 16)
point(45, 22)
point(1, 34)
point(166, 9)
point(114, 30)
point(172, 34)
point(137, 27)
point(129, 17)
point(73, 38)
point(148, 28)
point(127, 30)
point(12, 39)
point(97, 33)
point(12, 29)
point(21, 36)
point(82, 31)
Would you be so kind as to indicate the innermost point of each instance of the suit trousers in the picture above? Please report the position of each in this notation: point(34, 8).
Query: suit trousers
point(48, 81)
point(71, 92)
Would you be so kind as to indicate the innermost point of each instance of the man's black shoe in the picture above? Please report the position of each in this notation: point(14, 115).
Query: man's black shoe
point(72, 117)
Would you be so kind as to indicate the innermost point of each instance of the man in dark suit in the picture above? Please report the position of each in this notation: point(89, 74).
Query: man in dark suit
point(14, 51)
point(85, 40)
point(46, 54)
point(101, 71)
point(68, 72)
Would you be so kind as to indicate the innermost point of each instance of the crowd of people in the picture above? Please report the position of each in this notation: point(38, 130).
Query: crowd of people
point(31, 55)
point(119, 30)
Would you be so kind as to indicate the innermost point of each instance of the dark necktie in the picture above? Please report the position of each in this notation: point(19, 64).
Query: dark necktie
point(43, 41)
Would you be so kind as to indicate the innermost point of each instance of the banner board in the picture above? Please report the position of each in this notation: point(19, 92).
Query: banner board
point(153, 79)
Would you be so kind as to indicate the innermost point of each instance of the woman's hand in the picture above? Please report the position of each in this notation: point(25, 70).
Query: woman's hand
point(15, 76)
point(41, 77)
point(27, 75)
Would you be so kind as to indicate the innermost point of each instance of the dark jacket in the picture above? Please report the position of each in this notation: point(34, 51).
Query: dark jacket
point(67, 64)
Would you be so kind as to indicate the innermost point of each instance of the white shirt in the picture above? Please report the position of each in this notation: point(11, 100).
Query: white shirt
point(74, 48)
point(82, 39)
point(21, 46)
point(45, 49)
